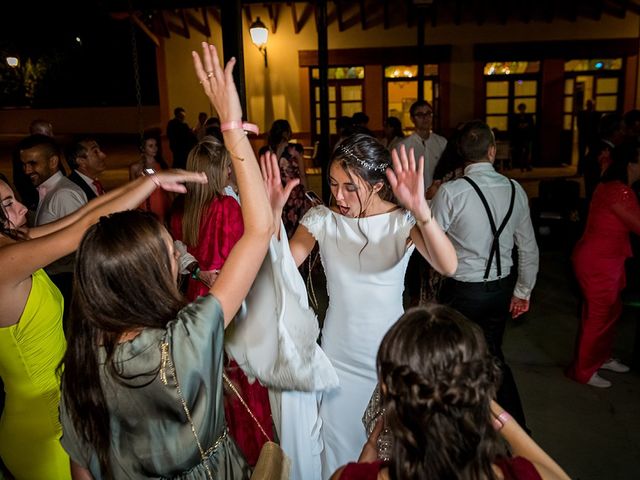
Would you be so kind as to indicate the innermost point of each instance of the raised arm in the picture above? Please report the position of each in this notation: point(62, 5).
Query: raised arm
point(522, 445)
point(53, 241)
point(245, 259)
point(302, 242)
point(407, 182)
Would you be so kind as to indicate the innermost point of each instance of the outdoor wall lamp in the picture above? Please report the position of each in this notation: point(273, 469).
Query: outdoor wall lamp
point(259, 35)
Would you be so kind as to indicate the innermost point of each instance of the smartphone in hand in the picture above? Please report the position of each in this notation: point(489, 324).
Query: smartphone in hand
point(313, 197)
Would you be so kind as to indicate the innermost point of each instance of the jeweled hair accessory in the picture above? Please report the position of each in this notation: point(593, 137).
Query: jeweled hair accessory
point(348, 152)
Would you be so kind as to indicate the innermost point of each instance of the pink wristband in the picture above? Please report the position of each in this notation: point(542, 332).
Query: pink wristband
point(237, 124)
point(500, 421)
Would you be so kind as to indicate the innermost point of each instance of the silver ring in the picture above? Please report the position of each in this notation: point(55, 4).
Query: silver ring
point(209, 74)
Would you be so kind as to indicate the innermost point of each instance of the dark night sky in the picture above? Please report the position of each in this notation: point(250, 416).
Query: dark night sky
point(82, 57)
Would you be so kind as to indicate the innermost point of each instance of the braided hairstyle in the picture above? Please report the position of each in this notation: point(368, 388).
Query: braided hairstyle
point(437, 382)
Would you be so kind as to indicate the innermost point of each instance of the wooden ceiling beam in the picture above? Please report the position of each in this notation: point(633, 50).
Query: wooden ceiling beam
point(200, 26)
point(339, 15)
point(142, 26)
point(294, 16)
point(385, 14)
point(363, 14)
point(274, 13)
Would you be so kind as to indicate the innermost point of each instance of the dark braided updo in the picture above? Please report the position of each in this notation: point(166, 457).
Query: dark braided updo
point(437, 381)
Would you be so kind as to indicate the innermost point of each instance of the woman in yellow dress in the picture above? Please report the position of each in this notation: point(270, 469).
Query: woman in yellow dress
point(32, 341)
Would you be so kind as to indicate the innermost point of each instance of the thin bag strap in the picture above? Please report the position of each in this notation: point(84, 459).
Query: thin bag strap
point(165, 360)
point(244, 404)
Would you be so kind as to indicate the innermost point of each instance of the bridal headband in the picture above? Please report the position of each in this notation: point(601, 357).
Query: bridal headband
point(348, 152)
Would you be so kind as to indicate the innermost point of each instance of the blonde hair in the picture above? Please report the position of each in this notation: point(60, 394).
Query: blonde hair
point(211, 157)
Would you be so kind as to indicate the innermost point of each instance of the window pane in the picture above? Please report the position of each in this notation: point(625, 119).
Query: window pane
point(431, 70)
point(499, 122)
point(525, 88)
point(428, 91)
point(400, 96)
point(350, 108)
point(607, 85)
point(315, 73)
point(497, 106)
point(566, 122)
point(332, 109)
point(584, 65)
point(317, 92)
point(317, 126)
point(568, 86)
point(401, 71)
point(351, 92)
point(332, 93)
point(497, 89)
point(317, 110)
point(506, 68)
point(568, 104)
point(606, 103)
point(530, 103)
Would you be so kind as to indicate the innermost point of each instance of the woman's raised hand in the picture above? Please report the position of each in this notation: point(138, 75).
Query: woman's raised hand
point(218, 84)
point(407, 182)
point(174, 180)
point(278, 194)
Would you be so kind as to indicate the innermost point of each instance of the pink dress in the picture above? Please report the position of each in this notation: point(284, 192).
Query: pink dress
point(598, 260)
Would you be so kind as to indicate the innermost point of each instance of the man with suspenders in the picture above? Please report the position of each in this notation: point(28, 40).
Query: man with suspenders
point(485, 214)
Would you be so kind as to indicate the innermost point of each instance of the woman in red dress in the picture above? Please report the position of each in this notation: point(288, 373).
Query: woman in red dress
point(598, 260)
point(159, 201)
point(437, 382)
point(210, 224)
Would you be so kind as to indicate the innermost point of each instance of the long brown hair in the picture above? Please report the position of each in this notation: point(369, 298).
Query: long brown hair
point(6, 228)
point(437, 382)
point(211, 157)
point(116, 256)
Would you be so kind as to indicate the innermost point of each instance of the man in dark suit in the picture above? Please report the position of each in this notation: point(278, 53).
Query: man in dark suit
point(87, 161)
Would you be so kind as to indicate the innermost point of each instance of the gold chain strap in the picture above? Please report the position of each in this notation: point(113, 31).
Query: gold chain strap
point(309, 282)
point(166, 360)
point(233, 388)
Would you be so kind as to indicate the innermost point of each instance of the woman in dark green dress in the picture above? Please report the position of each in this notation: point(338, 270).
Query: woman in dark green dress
point(142, 382)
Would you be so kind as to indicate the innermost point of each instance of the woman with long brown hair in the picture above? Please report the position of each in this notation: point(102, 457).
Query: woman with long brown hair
point(365, 241)
point(438, 382)
point(142, 382)
point(210, 223)
point(32, 341)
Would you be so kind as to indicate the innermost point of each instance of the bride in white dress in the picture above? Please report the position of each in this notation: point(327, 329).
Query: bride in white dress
point(365, 243)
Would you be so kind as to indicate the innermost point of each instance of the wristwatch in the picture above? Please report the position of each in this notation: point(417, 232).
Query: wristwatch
point(151, 173)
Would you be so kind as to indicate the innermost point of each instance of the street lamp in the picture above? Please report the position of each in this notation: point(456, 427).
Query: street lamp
point(13, 62)
point(259, 36)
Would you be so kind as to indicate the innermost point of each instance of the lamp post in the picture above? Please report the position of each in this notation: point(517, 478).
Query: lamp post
point(259, 36)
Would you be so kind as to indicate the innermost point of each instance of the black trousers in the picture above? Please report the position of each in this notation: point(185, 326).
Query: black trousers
point(487, 304)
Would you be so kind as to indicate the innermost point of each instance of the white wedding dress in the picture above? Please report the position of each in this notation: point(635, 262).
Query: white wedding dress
point(365, 260)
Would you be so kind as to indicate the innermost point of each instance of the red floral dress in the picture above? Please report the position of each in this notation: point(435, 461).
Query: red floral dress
point(220, 228)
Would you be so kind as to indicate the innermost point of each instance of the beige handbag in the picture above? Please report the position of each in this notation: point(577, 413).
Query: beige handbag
point(272, 463)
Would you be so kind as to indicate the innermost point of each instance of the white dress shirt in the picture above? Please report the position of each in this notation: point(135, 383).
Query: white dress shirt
point(431, 149)
point(59, 197)
point(459, 211)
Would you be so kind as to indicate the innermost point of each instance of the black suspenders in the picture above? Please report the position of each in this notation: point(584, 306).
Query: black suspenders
point(495, 246)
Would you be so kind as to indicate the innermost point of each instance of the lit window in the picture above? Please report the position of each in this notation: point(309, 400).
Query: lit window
point(511, 68)
point(594, 64)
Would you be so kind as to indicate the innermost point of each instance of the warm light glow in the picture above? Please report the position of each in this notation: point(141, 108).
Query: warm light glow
point(259, 33)
point(13, 62)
